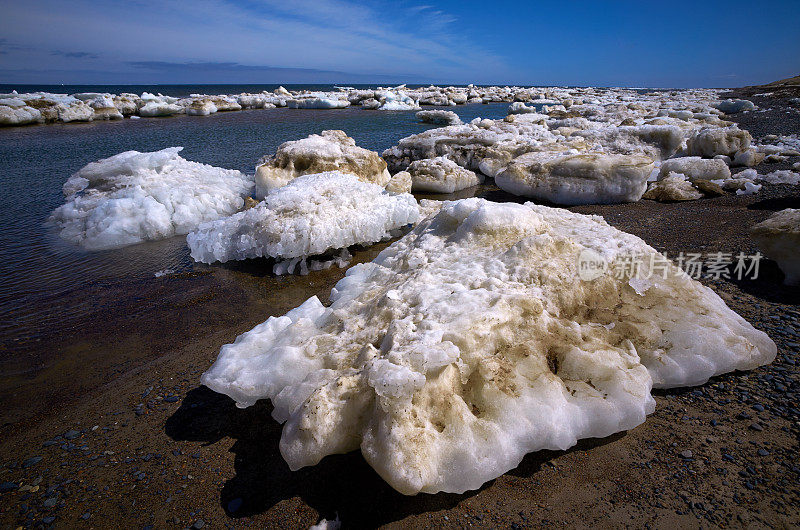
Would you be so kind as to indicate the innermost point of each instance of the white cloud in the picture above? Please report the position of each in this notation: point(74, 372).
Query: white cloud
point(322, 34)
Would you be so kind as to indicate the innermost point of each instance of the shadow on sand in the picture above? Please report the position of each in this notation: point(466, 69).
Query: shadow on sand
point(340, 484)
point(768, 285)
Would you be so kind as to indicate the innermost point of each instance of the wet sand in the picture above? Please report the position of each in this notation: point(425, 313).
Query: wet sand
point(120, 434)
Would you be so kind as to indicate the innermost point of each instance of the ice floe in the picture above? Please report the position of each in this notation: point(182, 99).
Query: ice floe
point(782, 176)
point(710, 141)
point(734, 106)
point(673, 187)
point(439, 117)
point(694, 167)
point(441, 175)
point(317, 103)
point(585, 178)
point(133, 197)
point(473, 341)
point(329, 151)
point(311, 215)
point(400, 183)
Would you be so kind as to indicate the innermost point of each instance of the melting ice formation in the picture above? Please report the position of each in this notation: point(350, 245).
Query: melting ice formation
point(133, 197)
point(329, 151)
point(44, 107)
point(440, 175)
point(439, 117)
point(472, 341)
point(309, 216)
point(587, 146)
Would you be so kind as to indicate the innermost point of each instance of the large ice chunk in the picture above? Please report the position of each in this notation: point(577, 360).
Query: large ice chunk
point(133, 197)
point(441, 175)
point(585, 178)
point(329, 151)
point(695, 168)
point(779, 238)
point(439, 117)
point(317, 103)
point(673, 187)
point(307, 217)
point(19, 115)
point(473, 340)
point(711, 141)
point(734, 106)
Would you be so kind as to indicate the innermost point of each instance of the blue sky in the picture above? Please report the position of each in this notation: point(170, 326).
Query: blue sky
point(643, 43)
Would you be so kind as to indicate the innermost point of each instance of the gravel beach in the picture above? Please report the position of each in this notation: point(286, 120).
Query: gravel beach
point(131, 440)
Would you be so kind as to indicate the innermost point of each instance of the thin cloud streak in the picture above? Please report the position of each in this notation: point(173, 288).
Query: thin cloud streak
point(325, 35)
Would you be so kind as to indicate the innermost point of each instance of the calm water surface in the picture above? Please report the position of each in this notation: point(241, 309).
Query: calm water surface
point(42, 275)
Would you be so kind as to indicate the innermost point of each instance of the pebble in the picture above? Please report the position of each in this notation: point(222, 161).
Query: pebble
point(763, 452)
point(32, 461)
point(71, 434)
point(687, 454)
point(198, 524)
point(5, 487)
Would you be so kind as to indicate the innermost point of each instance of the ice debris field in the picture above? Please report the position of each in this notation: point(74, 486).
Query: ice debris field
point(470, 341)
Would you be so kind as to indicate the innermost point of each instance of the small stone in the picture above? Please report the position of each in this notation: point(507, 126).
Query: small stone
point(32, 461)
point(763, 452)
point(48, 520)
point(198, 524)
point(71, 434)
point(86, 516)
point(171, 399)
point(5, 487)
point(687, 454)
point(49, 503)
point(756, 427)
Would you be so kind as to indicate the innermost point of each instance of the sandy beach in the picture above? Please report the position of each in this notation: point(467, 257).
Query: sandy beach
point(121, 434)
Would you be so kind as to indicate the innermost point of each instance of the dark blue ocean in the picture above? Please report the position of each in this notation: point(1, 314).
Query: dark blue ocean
point(41, 274)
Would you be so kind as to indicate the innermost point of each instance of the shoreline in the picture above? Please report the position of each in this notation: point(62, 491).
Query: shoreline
point(169, 453)
point(162, 427)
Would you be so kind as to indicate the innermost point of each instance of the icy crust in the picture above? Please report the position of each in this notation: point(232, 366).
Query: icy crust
point(711, 141)
point(586, 178)
point(439, 117)
point(682, 128)
point(694, 167)
point(673, 187)
point(133, 197)
point(441, 175)
point(609, 106)
point(779, 238)
point(317, 103)
point(472, 341)
point(400, 183)
point(307, 217)
point(329, 151)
